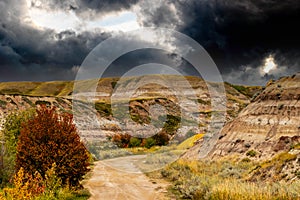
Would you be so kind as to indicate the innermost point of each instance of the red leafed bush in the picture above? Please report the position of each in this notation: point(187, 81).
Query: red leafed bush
point(121, 140)
point(50, 138)
point(162, 138)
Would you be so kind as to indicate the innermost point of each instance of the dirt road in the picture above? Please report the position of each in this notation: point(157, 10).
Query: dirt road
point(118, 179)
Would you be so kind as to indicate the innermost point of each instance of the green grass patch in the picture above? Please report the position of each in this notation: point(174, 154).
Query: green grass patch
point(3, 103)
point(49, 88)
point(278, 161)
point(251, 153)
point(20, 88)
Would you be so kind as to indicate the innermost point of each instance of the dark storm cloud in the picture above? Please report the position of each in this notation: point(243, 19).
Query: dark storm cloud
point(36, 55)
point(46, 56)
point(27, 53)
point(238, 35)
point(235, 33)
point(144, 56)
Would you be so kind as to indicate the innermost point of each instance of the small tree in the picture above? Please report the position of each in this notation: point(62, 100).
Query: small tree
point(52, 138)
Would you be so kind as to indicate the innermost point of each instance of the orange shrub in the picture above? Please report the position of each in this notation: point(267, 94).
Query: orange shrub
point(50, 138)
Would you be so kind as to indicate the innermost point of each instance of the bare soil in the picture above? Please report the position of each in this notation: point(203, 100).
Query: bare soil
point(119, 178)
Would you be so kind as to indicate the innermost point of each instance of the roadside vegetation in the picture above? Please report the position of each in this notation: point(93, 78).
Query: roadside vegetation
point(222, 180)
point(44, 157)
point(127, 141)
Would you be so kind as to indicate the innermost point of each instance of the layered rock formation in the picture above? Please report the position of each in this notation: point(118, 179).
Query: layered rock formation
point(270, 124)
point(148, 101)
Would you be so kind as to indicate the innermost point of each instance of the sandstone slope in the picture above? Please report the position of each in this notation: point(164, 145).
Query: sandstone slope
point(268, 126)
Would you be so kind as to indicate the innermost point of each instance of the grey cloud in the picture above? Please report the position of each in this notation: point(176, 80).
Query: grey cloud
point(248, 75)
point(142, 57)
point(236, 33)
point(83, 8)
point(27, 53)
point(159, 13)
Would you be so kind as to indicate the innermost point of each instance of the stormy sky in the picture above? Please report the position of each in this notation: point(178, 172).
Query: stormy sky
point(251, 41)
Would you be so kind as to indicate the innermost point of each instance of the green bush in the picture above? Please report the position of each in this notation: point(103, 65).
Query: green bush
point(134, 142)
point(251, 153)
point(149, 142)
point(104, 109)
point(3, 103)
point(246, 160)
point(11, 132)
point(172, 124)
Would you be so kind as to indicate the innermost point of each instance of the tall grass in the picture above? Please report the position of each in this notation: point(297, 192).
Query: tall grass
point(239, 190)
point(224, 180)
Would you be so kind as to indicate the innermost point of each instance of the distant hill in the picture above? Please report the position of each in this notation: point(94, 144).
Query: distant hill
point(23, 95)
point(37, 89)
point(65, 88)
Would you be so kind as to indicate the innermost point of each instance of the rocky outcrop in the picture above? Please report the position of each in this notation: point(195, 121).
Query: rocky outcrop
point(142, 106)
point(12, 103)
point(267, 126)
